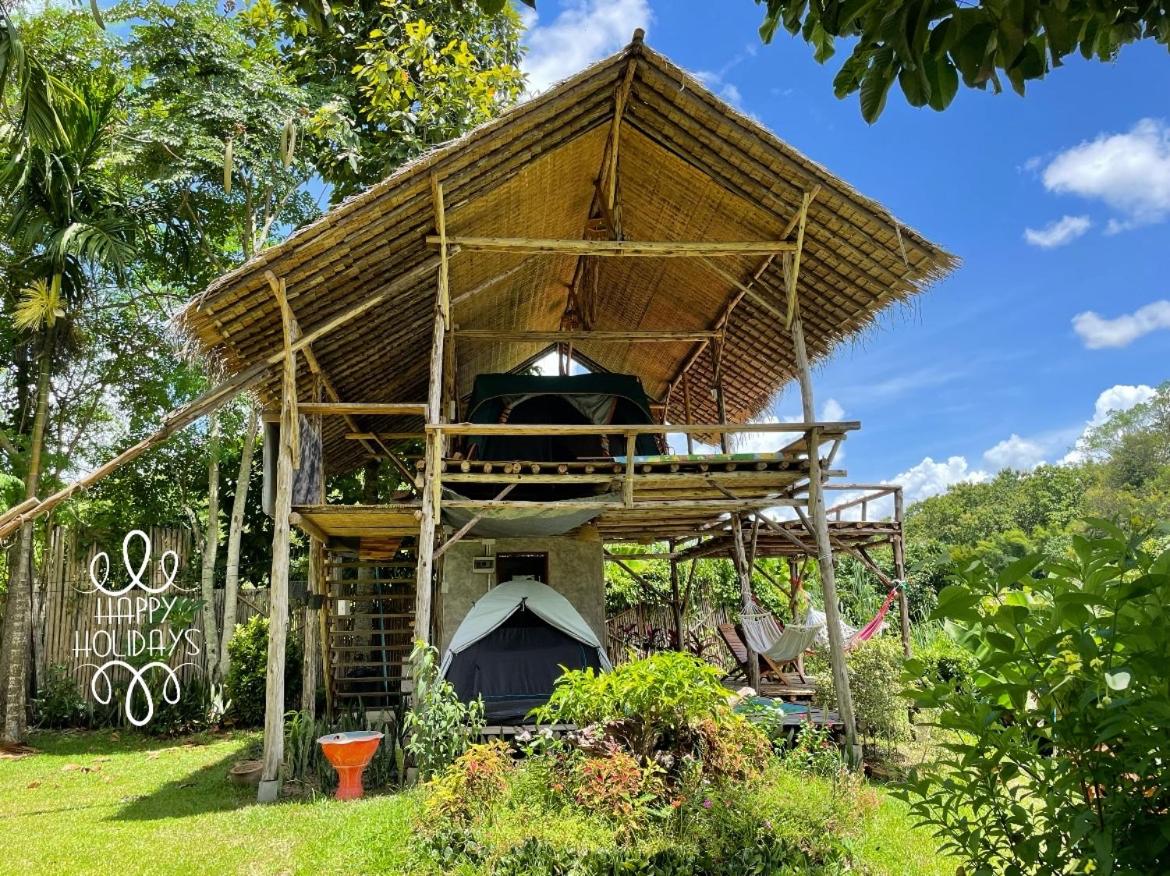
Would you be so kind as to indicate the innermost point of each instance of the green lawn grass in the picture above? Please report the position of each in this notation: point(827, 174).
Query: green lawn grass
point(103, 802)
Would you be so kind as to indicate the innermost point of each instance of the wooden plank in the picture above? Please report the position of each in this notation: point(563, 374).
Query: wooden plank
point(616, 248)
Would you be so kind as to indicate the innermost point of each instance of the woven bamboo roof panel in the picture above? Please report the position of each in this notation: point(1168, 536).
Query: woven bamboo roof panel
point(689, 168)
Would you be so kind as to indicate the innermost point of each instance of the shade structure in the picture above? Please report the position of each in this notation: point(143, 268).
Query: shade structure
point(514, 644)
point(685, 166)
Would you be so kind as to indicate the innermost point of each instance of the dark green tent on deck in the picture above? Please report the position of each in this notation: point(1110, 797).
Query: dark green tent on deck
point(590, 399)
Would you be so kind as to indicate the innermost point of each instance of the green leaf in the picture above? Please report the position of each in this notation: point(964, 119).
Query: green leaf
point(1019, 570)
point(943, 80)
point(875, 84)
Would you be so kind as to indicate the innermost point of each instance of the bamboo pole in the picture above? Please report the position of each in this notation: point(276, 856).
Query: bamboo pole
point(621, 97)
point(600, 337)
point(432, 478)
point(900, 573)
point(641, 429)
point(816, 502)
point(347, 409)
point(273, 756)
point(676, 606)
point(616, 248)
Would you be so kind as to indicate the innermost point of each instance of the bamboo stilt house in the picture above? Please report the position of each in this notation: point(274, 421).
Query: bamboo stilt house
point(627, 221)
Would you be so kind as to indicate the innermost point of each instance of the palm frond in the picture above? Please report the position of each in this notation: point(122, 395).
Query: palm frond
point(40, 305)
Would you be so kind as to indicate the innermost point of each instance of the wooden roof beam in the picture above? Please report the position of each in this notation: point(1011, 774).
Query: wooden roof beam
point(349, 409)
point(603, 337)
point(614, 248)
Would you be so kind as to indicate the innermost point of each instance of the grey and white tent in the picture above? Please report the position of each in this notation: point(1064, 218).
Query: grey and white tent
point(514, 644)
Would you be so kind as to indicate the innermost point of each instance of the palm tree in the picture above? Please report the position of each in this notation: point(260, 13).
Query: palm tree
point(70, 229)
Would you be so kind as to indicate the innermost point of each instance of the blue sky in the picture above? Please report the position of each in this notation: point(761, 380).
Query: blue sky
point(1004, 363)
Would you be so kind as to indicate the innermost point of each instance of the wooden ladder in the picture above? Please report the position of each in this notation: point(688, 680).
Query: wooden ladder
point(370, 629)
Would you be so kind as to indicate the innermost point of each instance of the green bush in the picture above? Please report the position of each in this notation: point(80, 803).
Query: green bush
point(775, 823)
point(942, 658)
point(647, 704)
point(247, 675)
point(875, 679)
point(59, 702)
point(1057, 751)
point(439, 727)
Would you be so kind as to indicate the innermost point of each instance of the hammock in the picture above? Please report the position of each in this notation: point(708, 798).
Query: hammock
point(766, 637)
point(785, 644)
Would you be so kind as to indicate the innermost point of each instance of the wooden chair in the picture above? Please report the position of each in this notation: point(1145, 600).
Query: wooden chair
point(732, 635)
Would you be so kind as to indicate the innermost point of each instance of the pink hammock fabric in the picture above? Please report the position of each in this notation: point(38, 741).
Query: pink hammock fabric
point(870, 629)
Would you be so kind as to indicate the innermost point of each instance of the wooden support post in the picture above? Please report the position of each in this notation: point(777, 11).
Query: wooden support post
point(432, 478)
point(628, 480)
point(676, 606)
point(286, 461)
point(313, 631)
point(820, 521)
point(311, 653)
point(331, 572)
point(686, 382)
point(900, 573)
point(740, 560)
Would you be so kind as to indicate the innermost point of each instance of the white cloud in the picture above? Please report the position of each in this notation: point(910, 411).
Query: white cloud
point(1019, 454)
point(582, 32)
point(1129, 172)
point(832, 411)
point(1121, 397)
point(1097, 332)
point(930, 478)
point(1064, 230)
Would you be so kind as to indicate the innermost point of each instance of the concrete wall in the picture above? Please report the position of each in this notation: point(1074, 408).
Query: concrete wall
point(575, 570)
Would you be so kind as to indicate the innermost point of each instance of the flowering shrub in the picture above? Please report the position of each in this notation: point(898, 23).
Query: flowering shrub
point(478, 775)
point(732, 748)
point(616, 786)
point(815, 752)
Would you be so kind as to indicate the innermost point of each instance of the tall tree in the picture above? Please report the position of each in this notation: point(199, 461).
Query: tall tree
point(235, 535)
point(69, 227)
point(396, 77)
point(210, 550)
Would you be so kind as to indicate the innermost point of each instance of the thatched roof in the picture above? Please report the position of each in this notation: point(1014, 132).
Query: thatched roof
point(690, 168)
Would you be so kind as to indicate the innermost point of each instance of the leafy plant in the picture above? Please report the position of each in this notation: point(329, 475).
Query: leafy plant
point(1057, 751)
point(875, 677)
point(648, 702)
point(59, 702)
point(469, 784)
point(439, 727)
point(247, 677)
